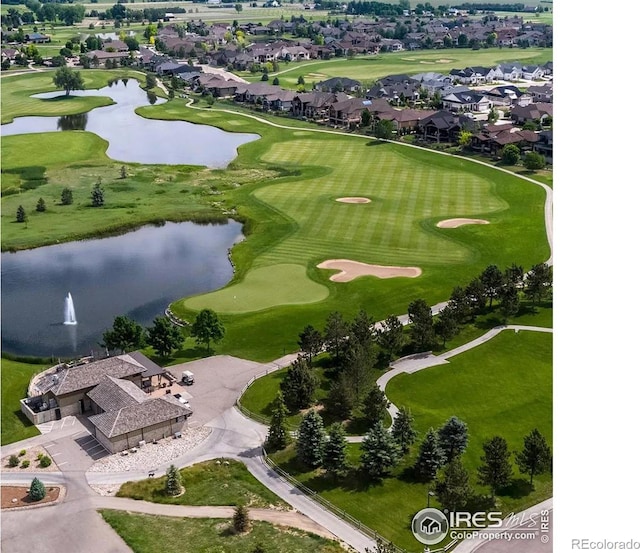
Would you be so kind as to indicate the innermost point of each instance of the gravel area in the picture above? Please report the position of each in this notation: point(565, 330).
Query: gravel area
point(34, 465)
point(152, 455)
point(106, 490)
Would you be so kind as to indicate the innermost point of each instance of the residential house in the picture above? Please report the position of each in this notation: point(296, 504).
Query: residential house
point(543, 93)
point(493, 138)
point(533, 112)
point(544, 145)
point(508, 95)
point(99, 57)
point(216, 85)
point(348, 113)
point(37, 38)
point(315, 105)
point(338, 84)
point(405, 121)
point(466, 101)
point(443, 126)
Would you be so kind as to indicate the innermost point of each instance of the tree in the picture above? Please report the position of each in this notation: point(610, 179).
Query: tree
point(238, 7)
point(359, 371)
point(299, 385)
point(430, 458)
point(276, 81)
point(514, 274)
point(125, 335)
point(421, 321)
point(278, 437)
point(459, 304)
point(453, 438)
point(310, 341)
point(495, 470)
point(335, 333)
point(37, 491)
point(510, 154)
point(164, 337)
point(335, 451)
point(340, 400)
point(509, 301)
point(538, 282)
point(311, 437)
point(66, 197)
point(493, 116)
point(361, 330)
point(21, 215)
point(68, 80)
point(365, 118)
point(453, 490)
point(390, 336)
point(380, 452)
point(97, 195)
point(534, 161)
point(240, 519)
point(382, 547)
point(207, 328)
point(123, 172)
point(301, 80)
point(384, 130)
point(493, 280)
point(173, 485)
point(535, 457)
point(446, 325)
point(464, 139)
point(476, 295)
point(375, 406)
point(402, 430)
point(265, 77)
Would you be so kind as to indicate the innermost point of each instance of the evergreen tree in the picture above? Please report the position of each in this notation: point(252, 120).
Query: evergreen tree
point(310, 341)
point(453, 438)
point(97, 195)
point(391, 336)
point(123, 172)
point(446, 325)
point(299, 385)
point(41, 207)
point(340, 400)
point(173, 485)
point(514, 275)
point(278, 437)
point(535, 458)
point(538, 282)
point(453, 490)
point(335, 333)
point(430, 458)
point(493, 280)
point(459, 304)
point(311, 438)
point(66, 197)
point(37, 491)
point(21, 215)
point(359, 370)
point(361, 330)
point(509, 301)
point(380, 452)
point(402, 430)
point(375, 406)
point(421, 321)
point(476, 296)
point(335, 451)
point(241, 519)
point(164, 337)
point(495, 470)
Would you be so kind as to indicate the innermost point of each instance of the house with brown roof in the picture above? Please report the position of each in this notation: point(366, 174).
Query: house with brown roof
point(492, 138)
point(532, 112)
point(349, 112)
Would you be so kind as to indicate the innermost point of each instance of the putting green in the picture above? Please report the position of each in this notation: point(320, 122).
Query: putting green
point(284, 284)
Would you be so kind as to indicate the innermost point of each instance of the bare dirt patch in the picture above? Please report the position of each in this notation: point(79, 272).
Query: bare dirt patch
point(21, 496)
point(455, 223)
point(354, 269)
point(354, 200)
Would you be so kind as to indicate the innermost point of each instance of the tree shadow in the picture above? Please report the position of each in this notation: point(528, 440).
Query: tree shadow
point(517, 488)
point(480, 503)
point(375, 143)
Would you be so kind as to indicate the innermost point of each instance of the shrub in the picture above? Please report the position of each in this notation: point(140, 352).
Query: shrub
point(45, 461)
point(37, 490)
point(25, 464)
point(14, 461)
point(23, 452)
point(40, 456)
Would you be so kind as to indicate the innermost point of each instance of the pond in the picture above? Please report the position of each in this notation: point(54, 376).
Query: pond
point(137, 274)
point(135, 139)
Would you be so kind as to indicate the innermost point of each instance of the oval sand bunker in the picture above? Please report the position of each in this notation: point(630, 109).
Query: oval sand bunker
point(354, 200)
point(455, 223)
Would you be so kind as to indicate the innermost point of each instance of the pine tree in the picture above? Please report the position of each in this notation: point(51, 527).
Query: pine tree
point(495, 470)
point(278, 438)
point(311, 438)
point(391, 336)
point(97, 195)
point(453, 490)
point(123, 172)
point(173, 485)
point(37, 491)
point(403, 431)
point(535, 458)
point(453, 437)
point(421, 320)
point(66, 197)
point(41, 207)
point(375, 406)
point(335, 451)
point(21, 215)
point(340, 400)
point(446, 326)
point(310, 341)
point(241, 519)
point(430, 458)
point(335, 333)
point(509, 301)
point(299, 385)
point(380, 453)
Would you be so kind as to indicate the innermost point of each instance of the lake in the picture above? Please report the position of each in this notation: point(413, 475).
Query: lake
point(135, 139)
point(137, 274)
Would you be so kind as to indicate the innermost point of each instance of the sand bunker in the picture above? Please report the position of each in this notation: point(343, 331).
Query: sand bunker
point(455, 223)
point(354, 200)
point(353, 269)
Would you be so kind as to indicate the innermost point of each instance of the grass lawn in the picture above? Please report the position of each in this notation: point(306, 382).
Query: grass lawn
point(149, 534)
point(15, 380)
point(502, 387)
point(207, 484)
point(369, 68)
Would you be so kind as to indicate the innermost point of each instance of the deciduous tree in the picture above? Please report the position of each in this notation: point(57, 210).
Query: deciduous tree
point(164, 336)
point(124, 335)
point(207, 328)
point(68, 80)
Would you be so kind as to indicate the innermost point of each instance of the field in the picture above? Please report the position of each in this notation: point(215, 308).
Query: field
point(500, 388)
point(15, 379)
point(148, 534)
